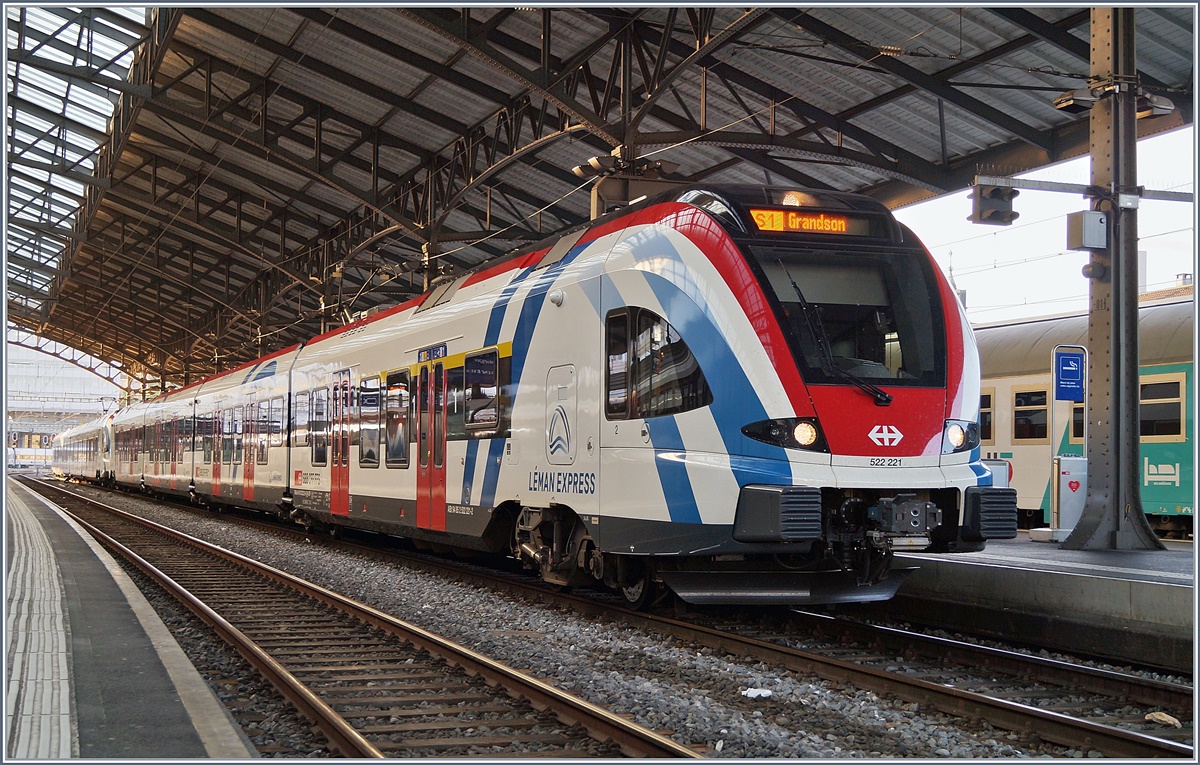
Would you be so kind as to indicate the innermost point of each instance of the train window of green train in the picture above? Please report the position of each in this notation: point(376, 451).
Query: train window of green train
point(1162, 408)
point(987, 395)
point(1077, 419)
point(1029, 416)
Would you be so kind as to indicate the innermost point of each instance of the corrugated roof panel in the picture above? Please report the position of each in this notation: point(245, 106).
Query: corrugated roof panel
point(471, 109)
point(240, 50)
point(572, 32)
point(1165, 44)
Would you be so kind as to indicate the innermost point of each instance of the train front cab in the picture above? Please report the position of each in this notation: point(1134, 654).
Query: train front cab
point(821, 392)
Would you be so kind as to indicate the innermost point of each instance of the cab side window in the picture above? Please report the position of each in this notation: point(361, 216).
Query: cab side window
point(651, 371)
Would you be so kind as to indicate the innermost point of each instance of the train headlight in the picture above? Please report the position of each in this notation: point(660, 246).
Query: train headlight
point(959, 436)
point(956, 434)
point(789, 432)
point(805, 433)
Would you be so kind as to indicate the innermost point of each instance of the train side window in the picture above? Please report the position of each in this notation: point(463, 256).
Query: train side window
point(986, 397)
point(456, 405)
point(206, 437)
point(1162, 408)
point(227, 436)
point(264, 431)
point(1078, 415)
point(319, 426)
point(617, 333)
point(667, 377)
point(238, 427)
point(1029, 416)
point(368, 400)
point(651, 372)
point(276, 421)
point(481, 372)
point(396, 405)
point(300, 419)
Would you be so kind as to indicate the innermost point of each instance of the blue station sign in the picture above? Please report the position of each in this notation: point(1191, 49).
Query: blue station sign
point(1068, 377)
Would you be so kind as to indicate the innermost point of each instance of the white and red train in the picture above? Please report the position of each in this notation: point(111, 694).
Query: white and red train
point(746, 394)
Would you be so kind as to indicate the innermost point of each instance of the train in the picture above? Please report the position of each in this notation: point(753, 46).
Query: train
point(732, 394)
point(1017, 396)
point(20, 457)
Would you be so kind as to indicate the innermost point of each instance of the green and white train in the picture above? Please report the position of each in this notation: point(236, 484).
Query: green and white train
point(1017, 393)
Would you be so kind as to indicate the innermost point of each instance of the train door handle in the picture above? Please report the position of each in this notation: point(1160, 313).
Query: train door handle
point(645, 432)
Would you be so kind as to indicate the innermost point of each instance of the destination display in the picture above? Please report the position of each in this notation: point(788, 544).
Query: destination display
point(795, 221)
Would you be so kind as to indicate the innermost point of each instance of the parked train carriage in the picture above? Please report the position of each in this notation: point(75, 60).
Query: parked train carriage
point(167, 445)
point(129, 440)
point(84, 452)
point(239, 454)
point(63, 462)
point(643, 413)
point(22, 457)
point(1017, 400)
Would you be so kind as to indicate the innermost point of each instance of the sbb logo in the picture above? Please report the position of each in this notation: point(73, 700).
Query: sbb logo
point(885, 435)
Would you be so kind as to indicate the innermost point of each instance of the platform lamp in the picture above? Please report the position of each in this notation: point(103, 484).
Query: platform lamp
point(1083, 99)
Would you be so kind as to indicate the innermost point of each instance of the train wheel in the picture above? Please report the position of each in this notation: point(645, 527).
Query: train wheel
point(639, 589)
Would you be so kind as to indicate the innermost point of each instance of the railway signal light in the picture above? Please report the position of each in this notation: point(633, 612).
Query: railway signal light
point(993, 205)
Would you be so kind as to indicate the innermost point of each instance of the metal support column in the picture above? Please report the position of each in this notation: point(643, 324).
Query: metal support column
point(1113, 518)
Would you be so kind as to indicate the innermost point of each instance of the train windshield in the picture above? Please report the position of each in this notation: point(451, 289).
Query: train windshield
point(868, 317)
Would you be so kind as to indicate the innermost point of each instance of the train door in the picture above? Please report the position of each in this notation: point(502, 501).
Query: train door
point(250, 450)
point(155, 457)
point(218, 450)
point(173, 446)
point(431, 440)
point(339, 454)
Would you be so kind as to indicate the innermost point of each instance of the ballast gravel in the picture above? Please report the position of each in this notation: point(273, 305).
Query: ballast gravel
point(693, 694)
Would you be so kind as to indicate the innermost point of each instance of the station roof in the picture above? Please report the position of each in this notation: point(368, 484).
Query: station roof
point(190, 188)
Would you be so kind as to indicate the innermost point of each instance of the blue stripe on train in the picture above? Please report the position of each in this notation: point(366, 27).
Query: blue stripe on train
point(735, 401)
point(981, 471)
point(672, 471)
point(530, 310)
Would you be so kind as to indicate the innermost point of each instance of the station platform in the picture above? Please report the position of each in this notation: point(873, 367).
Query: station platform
point(1128, 605)
point(92, 672)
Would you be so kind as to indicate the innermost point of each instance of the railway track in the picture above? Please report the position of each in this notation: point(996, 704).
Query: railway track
point(1063, 703)
point(376, 686)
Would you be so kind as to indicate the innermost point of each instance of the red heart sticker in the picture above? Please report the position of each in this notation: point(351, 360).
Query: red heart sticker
point(1074, 485)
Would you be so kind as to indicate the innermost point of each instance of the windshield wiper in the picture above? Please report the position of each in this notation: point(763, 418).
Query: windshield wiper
point(882, 397)
point(817, 328)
